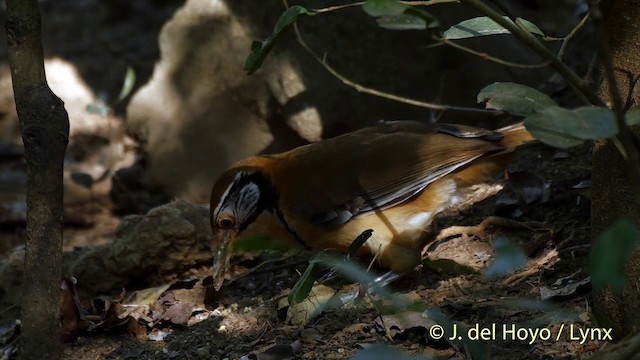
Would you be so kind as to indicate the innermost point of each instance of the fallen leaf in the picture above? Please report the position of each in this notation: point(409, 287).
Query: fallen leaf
point(565, 286)
point(529, 187)
point(396, 324)
point(178, 313)
point(312, 306)
point(277, 352)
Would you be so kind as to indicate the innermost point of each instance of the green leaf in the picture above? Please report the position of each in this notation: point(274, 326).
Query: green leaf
point(260, 49)
point(303, 286)
point(394, 15)
point(355, 272)
point(483, 26)
point(402, 22)
point(320, 298)
point(514, 98)
point(359, 241)
point(609, 254)
point(99, 108)
point(633, 117)
point(507, 258)
point(564, 128)
point(431, 20)
point(127, 85)
point(378, 8)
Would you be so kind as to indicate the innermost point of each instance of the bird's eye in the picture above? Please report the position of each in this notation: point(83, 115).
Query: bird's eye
point(226, 223)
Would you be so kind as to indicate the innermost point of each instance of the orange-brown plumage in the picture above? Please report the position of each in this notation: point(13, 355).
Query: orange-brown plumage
point(393, 178)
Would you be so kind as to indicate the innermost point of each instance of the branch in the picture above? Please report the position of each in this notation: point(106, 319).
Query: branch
point(579, 86)
point(488, 57)
point(360, 3)
point(571, 34)
point(385, 95)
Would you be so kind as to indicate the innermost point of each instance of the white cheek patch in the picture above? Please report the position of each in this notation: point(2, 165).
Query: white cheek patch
point(248, 198)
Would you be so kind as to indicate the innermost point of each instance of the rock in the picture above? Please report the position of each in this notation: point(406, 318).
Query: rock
point(148, 249)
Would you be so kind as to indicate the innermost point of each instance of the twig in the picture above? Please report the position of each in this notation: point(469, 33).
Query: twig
point(360, 3)
point(579, 86)
point(625, 137)
point(543, 261)
point(385, 95)
point(12, 306)
point(429, 3)
point(571, 34)
point(488, 57)
point(337, 7)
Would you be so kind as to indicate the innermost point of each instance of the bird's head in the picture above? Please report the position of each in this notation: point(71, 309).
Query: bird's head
point(237, 198)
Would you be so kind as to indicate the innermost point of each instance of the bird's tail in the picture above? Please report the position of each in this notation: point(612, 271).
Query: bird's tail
point(515, 135)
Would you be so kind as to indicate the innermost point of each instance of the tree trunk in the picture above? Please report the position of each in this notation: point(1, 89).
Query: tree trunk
point(612, 198)
point(44, 125)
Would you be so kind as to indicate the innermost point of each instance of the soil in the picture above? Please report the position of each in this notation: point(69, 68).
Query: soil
point(246, 319)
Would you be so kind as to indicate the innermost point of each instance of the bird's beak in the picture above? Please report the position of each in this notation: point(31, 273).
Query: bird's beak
point(222, 250)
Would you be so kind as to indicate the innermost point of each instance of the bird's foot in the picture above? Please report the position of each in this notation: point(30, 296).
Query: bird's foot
point(480, 229)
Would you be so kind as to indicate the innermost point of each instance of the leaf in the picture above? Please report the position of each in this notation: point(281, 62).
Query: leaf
point(145, 296)
point(564, 287)
point(83, 179)
point(99, 108)
point(359, 241)
point(514, 98)
point(127, 85)
point(633, 117)
point(303, 286)
point(484, 26)
point(312, 306)
point(529, 187)
point(396, 324)
point(383, 352)
point(609, 254)
point(260, 49)
point(564, 128)
point(402, 22)
point(277, 352)
point(429, 19)
point(394, 15)
point(378, 8)
point(508, 258)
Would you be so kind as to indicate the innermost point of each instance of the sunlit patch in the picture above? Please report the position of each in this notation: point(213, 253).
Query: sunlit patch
point(65, 81)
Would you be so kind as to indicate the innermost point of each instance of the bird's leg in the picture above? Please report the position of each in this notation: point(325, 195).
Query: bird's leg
point(481, 228)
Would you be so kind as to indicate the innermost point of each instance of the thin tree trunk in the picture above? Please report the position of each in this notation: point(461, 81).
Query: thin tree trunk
point(612, 197)
point(44, 125)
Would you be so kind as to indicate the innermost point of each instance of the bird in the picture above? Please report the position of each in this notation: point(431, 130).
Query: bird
point(394, 178)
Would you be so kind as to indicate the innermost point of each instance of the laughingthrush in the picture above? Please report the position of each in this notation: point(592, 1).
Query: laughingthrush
point(393, 178)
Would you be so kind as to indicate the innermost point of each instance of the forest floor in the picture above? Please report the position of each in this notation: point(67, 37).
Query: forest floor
point(244, 318)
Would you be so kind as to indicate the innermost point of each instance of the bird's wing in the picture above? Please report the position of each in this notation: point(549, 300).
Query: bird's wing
point(373, 168)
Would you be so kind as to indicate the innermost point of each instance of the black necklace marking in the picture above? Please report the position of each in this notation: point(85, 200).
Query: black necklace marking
point(268, 200)
point(288, 228)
